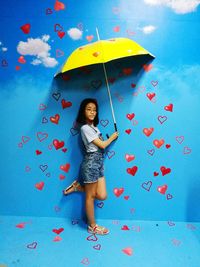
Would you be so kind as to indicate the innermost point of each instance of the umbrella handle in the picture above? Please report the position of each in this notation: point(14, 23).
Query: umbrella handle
point(115, 125)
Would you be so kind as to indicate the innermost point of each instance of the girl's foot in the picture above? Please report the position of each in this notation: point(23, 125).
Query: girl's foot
point(98, 230)
point(74, 187)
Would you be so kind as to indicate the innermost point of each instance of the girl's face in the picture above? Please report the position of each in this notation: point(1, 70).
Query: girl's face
point(90, 112)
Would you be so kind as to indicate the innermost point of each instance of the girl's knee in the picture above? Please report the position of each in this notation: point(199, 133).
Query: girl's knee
point(102, 196)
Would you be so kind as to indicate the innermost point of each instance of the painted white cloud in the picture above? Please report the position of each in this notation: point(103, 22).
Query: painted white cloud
point(178, 6)
point(148, 29)
point(4, 49)
point(75, 33)
point(39, 48)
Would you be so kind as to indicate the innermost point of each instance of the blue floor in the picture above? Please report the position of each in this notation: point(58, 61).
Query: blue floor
point(59, 242)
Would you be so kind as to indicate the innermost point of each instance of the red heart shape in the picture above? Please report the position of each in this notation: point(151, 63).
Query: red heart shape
point(158, 143)
point(58, 231)
point(20, 225)
point(165, 170)
point(128, 131)
point(64, 150)
point(111, 80)
point(127, 71)
point(155, 173)
point(66, 104)
point(169, 107)
point(59, 6)
point(58, 144)
point(125, 227)
point(147, 67)
point(38, 152)
point(150, 95)
point(132, 170)
point(133, 85)
point(39, 186)
point(118, 191)
point(65, 167)
point(129, 157)
point(167, 146)
point(61, 34)
point(55, 119)
point(126, 197)
point(89, 38)
point(162, 189)
point(130, 116)
point(17, 67)
point(148, 131)
point(21, 60)
point(26, 28)
point(62, 177)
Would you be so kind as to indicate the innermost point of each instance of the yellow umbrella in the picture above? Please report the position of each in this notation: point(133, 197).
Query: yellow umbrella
point(101, 52)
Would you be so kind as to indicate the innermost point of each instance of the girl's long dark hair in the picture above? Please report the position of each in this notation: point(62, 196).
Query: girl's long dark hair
point(81, 119)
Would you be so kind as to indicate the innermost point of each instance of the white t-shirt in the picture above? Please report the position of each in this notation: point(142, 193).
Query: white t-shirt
point(89, 133)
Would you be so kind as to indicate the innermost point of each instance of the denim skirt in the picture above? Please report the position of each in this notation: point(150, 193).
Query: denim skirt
point(92, 167)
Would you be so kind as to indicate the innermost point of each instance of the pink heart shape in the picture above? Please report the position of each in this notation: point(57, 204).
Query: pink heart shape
point(41, 136)
point(85, 261)
point(187, 150)
point(180, 139)
point(25, 139)
point(128, 251)
point(57, 239)
point(92, 237)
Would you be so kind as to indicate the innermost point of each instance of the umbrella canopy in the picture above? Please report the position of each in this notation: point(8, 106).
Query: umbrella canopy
point(103, 51)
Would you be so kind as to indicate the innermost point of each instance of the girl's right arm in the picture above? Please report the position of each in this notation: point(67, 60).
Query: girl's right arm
point(103, 144)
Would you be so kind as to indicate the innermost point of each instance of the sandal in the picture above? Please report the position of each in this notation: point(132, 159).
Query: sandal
point(98, 230)
point(73, 186)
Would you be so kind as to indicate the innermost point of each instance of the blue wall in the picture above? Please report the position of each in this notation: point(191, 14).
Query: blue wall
point(30, 95)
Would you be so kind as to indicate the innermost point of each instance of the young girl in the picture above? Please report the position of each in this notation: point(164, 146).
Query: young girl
point(92, 170)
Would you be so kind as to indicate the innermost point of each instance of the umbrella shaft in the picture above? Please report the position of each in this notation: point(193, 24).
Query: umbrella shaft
point(108, 89)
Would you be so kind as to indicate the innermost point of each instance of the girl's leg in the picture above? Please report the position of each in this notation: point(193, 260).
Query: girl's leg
point(90, 190)
point(91, 194)
point(101, 193)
